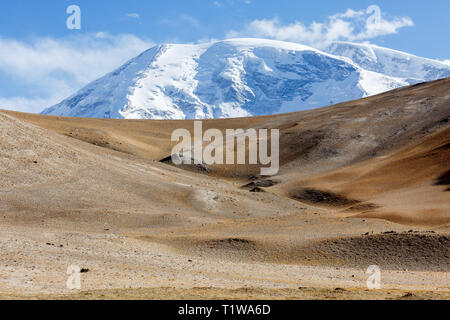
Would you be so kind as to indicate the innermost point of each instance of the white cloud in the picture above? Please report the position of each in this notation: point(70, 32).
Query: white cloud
point(133, 15)
point(57, 68)
point(348, 26)
point(30, 105)
point(230, 3)
point(447, 62)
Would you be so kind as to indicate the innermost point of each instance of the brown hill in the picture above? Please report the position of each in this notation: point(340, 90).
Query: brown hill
point(387, 154)
point(93, 192)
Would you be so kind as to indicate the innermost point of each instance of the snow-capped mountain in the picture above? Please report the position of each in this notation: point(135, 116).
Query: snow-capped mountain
point(390, 62)
point(244, 77)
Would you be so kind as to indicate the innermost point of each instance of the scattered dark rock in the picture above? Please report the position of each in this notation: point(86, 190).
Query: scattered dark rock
point(260, 183)
point(53, 245)
point(204, 168)
point(443, 180)
point(84, 270)
point(236, 240)
point(323, 197)
point(257, 189)
point(393, 251)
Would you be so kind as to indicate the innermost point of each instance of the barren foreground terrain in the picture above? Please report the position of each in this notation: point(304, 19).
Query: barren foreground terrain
point(361, 183)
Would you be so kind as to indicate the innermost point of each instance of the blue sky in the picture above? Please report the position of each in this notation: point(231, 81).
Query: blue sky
point(42, 62)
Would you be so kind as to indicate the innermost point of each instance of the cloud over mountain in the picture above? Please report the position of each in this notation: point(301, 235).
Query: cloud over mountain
point(351, 25)
point(53, 68)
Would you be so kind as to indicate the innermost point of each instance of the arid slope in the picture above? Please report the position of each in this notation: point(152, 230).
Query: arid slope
point(361, 183)
point(387, 151)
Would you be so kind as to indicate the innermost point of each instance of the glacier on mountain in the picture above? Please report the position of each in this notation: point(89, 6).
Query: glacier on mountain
point(390, 62)
point(244, 77)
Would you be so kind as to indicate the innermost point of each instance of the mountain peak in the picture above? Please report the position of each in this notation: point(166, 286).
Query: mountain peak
point(390, 62)
point(243, 77)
